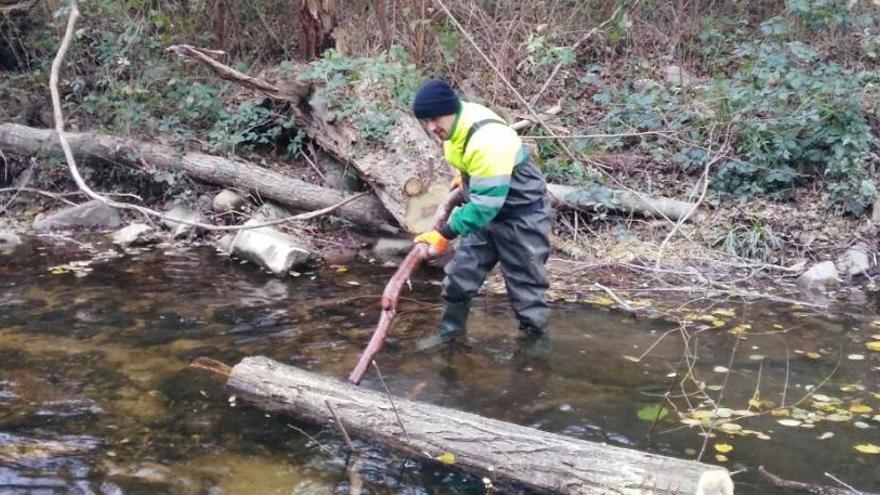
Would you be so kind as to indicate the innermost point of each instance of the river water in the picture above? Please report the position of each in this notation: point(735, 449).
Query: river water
point(97, 396)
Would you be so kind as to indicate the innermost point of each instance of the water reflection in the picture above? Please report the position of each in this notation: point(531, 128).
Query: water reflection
point(96, 395)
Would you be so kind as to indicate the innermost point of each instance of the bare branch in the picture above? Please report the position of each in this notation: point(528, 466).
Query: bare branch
point(81, 184)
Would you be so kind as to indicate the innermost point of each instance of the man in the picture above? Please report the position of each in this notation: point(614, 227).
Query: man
point(505, 217)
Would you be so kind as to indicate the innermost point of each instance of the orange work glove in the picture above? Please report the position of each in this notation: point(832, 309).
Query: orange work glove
point(456, 180)
point(434, 240)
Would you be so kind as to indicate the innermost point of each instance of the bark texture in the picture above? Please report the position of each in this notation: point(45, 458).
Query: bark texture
point(212, 169)
point(539, 460)
point(595, 196)
point(399, 173)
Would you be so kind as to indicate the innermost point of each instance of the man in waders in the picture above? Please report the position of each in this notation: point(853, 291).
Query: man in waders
point(505, 217)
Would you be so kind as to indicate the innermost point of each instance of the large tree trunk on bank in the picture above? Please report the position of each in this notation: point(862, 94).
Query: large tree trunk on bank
point(600, 197)
point(407, 175)
point(212, 169)
point(535, 459)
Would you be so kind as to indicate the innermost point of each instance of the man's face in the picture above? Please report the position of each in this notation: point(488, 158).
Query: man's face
point(440, 126)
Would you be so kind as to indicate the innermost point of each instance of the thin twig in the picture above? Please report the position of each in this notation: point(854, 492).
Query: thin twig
point(720, 396)
point(577, 45)
point(391, 400)
point(57, 196)
point(74, 171)
point(339, 425)
point(626, 307)
point(313, 439)
point(316, 169)
point(848, 487)
point(683, 219)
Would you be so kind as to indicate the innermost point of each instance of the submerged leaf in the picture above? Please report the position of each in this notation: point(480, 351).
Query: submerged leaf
point(723, 448)
point(446, 458)
point(652, 412)
point(860, 409)
point(868, 448)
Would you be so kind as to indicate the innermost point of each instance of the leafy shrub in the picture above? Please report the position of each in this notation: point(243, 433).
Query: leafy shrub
point(365, 91)
point(796, 118)
point(753, 241)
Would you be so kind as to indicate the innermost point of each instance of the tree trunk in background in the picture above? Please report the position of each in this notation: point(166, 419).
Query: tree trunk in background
point(259, 181)
point(407, 175)
point(317, 20)
point(384, 26)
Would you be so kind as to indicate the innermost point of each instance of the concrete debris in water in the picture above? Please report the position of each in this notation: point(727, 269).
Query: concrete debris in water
point(818, 277)
point(854, 261)
point(136, 234)
point(182, 212)
point(94, 215)
point(227, 200)
point(269, 248)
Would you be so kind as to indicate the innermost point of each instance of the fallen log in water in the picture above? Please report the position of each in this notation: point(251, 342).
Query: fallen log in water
point(259, 181)
point(506, 452)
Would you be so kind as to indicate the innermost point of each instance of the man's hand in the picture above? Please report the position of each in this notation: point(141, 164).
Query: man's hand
point(434, 240)
point(456, 180)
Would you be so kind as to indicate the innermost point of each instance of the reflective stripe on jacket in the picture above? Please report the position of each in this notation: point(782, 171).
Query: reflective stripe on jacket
point(495, 167)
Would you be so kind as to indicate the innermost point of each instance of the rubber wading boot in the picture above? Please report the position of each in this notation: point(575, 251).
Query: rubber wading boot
point(535, 343)
point(451, 326)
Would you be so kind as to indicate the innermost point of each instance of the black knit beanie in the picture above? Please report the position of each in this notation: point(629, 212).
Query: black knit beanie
point(435, 98)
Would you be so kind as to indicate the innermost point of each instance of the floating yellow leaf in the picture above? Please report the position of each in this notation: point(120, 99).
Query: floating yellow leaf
point(730, 427)
point(860, 409)
point(717, 323)
point(341, 269)
point(868, 448)
point(780, 412)
point(778, 326)
point(813, 355)
point(446, 458)
point(839, 417)
point(721, 457)
point(701, 414)
point(852, 387)
point(724, 312)
point(723, 448)
point(873, 345)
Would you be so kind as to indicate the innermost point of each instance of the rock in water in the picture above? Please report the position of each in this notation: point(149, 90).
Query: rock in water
point(854, 261)
point(227, 200)
point(182, 212)
point(819, 276)
point(9, 239)
point(269, 248)
point(392, 250)
point(94, 214)
point(136, 234)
